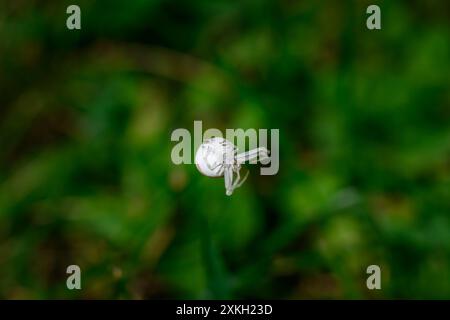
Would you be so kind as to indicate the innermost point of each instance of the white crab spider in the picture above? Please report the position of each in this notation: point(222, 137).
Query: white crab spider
point(217, 157)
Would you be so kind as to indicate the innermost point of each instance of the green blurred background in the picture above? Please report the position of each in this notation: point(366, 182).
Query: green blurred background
point(85, 170)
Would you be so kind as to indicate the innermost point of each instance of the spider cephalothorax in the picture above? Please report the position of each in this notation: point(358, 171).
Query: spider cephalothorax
point(218, 157)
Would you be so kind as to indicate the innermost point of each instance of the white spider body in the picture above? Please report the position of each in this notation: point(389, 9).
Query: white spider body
point(217, 157)
point(212, 156)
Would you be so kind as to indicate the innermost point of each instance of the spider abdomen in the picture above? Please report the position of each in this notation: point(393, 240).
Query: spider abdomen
point(213, 155)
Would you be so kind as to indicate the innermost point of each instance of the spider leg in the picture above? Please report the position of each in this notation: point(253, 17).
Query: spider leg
point(239, 181)
point(238, 177)
point(261, 153)
point(215, 167)
point(228, 175)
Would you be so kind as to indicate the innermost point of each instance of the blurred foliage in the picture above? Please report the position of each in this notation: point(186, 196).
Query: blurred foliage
point(85, 170)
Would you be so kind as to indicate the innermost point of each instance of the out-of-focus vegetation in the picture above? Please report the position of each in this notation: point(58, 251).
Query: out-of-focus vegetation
point(85, 170)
